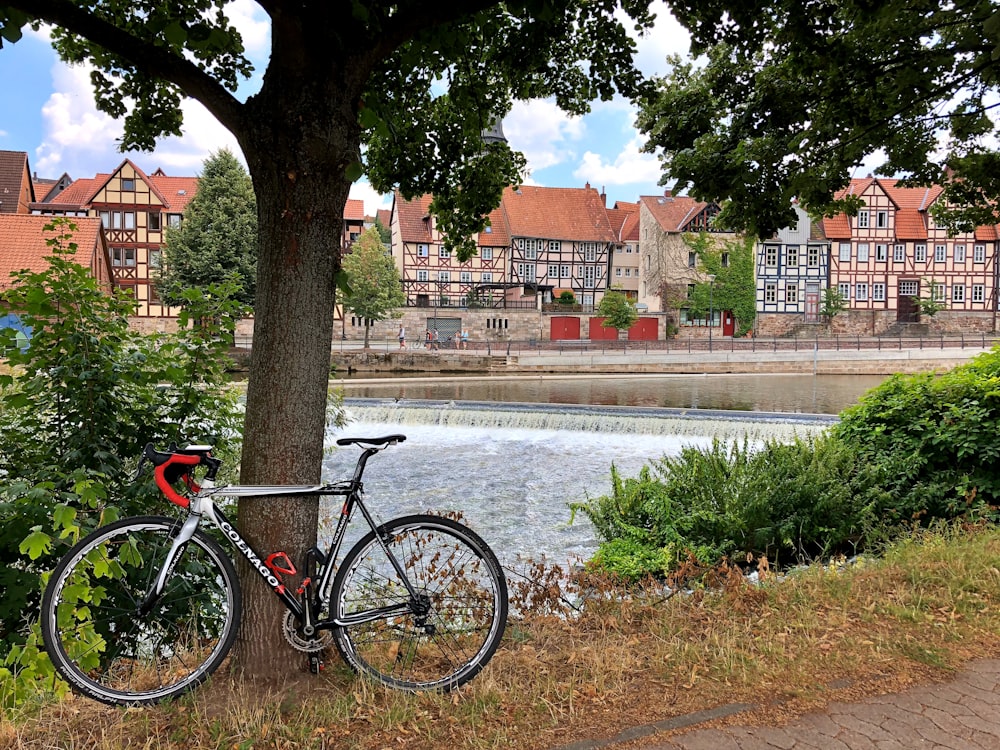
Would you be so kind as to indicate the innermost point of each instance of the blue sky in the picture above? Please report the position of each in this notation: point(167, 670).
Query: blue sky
point(50, 115)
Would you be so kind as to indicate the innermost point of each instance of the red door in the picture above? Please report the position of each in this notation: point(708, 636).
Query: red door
point(728, 323)
point(564, 328)
point(598, 331)
point(644, 329)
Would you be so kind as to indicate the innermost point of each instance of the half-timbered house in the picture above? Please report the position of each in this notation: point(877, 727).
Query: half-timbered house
point(892, 254)
point(791, 274)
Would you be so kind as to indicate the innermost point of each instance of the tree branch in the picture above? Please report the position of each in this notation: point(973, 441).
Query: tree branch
point(145, 57)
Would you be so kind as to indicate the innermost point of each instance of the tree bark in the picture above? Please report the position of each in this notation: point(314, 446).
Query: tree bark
point(299, 163)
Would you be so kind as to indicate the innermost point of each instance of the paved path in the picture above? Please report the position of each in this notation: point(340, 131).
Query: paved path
point(962, 714)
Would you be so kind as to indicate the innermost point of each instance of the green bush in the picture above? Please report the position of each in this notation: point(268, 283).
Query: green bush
point(785, 501)
point(76, 409)
point(934, 439)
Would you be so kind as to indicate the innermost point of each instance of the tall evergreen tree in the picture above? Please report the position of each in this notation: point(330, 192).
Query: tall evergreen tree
point(218, 239)
point(373, 279)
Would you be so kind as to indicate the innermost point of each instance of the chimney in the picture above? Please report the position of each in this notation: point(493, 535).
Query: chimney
point(604, 197)
point(586, 185)
point(667, 194)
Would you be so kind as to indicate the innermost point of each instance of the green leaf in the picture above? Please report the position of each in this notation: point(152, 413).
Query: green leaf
point(36, 544)
point(355, 171)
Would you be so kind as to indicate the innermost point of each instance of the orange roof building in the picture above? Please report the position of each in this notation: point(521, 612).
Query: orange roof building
point(23, 246)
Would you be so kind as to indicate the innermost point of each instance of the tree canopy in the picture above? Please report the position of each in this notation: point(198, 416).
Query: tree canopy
point(618, 310)
point(375, 288)
point(788, 98)
point(218, 238)
point(416, 84)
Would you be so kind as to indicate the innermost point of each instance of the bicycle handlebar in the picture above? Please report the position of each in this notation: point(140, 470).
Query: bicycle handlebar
point(174, 464)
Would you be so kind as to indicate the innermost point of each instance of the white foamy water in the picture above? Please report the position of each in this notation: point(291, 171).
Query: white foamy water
point(512, 481)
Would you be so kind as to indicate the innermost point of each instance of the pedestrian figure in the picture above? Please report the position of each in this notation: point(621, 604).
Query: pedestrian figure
point(427, 339)
point(436, 341)
point(402, 337)
point(465, 339)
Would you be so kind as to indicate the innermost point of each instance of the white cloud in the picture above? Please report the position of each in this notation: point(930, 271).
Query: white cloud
point(362, 191)
point(253, 25)
point(542, 132)
point(667, 37)
point(74, 130)
point(630, 166)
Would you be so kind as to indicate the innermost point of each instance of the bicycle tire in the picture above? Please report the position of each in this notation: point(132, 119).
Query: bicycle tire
point(103, 647)
point(465, 589)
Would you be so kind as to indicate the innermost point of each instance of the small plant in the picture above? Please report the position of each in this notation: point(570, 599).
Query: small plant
point(567, 298)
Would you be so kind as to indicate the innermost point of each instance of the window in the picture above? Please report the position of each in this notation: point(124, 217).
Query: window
point(881, 253)
point(422, 275)
point(844, 290)
point(770, 293)
point(618, 272)
point(812, 256)
point(465, 277)
point(691, 290)
point(960, 253)
point(792, 294)
point(692, 260)
point(155, 258)
point(979, 253)
point(862, 219)
point(105, 218)
point(878, 292)
point(937, 292)
point(909, 288)
point(861, 292)
point(898, 253)
point(173, 220)
point(444, 252)
point(792, 256)
point(862, 252)
point(555, 246)
point(920, 253)
point(530, 246)
point(487, 277)
point(725, 260)
point(881, 219)
point(153, 221)
point(958, 293)
point(579, 271)
point(590, 252)
point(553, 271)
point(526, 272)
point(845, 252)
point(628, 272)
point(978, 293)
point(128, 185)
point(589, 277)
point(770, 256)
point(564, 271)
point(444, 276)
point(423, 251)
point(123, 257)
point(486, 253)
point(940, 253)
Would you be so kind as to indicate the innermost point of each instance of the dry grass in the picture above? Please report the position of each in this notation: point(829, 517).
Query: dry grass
point(788, 645)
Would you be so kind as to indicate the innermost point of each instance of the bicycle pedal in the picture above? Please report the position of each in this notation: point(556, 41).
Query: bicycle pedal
point(315, 664)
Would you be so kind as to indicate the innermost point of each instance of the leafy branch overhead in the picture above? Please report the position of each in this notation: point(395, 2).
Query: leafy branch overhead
point(789, 99)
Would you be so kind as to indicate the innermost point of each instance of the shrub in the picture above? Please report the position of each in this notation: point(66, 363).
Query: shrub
point(75, 411)
point(935, 439)
point(784, 501)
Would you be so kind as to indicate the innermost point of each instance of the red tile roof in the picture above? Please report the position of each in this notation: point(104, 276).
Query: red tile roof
point(414, 218)
point(176, 192)
point(354, 210)
point(557, 213)
point(496, 234)
point(673, 212)
point(23, 246)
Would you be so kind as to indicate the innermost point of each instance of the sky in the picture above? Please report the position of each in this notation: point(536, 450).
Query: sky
point(50, 114)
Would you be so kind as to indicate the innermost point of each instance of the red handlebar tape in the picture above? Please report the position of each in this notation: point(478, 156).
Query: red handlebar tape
point(165, 486)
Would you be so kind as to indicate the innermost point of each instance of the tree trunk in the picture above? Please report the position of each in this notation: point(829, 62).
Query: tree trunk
point(299, 178)
point(367, 330)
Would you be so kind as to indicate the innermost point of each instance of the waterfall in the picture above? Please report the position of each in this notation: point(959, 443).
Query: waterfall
point(512, 469)
point(631, 420)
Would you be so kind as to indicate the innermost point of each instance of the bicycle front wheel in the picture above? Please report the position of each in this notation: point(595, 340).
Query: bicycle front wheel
point(449, 629)
point(113, 644)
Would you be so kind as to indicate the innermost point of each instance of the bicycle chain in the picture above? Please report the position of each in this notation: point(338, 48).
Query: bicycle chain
point(308, 645)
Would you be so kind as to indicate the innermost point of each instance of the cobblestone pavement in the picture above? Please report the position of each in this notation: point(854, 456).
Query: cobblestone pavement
point(962, 714)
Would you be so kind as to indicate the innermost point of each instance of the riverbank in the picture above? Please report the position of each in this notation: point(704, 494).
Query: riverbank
point(812, 361)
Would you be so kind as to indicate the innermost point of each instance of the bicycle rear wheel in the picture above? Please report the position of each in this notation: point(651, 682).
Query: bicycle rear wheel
point(100, 641)
point(452, 628)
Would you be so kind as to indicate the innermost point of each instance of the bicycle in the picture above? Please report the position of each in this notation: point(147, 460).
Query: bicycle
point(147, 607)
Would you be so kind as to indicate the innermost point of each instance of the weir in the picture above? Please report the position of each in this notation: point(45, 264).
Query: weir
point(512, 470)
